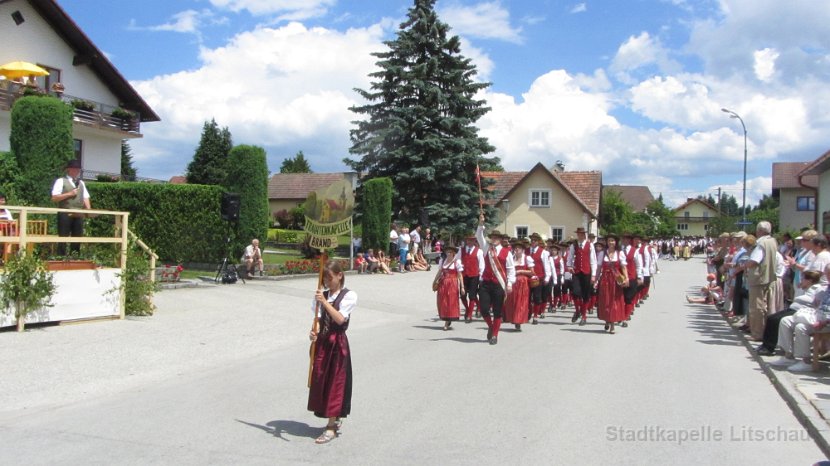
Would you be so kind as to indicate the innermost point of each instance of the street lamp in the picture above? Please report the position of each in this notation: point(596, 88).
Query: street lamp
point(743, 207)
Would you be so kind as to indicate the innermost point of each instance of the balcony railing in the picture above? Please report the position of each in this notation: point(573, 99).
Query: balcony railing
point(86, 111)
point(693, 219)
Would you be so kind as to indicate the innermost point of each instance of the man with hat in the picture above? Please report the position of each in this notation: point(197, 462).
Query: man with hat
point(69, 192)
point(542, 272)
point(557, 268)
point(497, 279)
point(645, 256)
point(582, 263)
point(634, 269)
point(472, 258)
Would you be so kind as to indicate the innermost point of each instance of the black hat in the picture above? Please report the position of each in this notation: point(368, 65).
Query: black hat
point(74, 163)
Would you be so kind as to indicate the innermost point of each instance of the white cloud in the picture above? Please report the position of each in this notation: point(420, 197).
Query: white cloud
point(288, 9)
point(765, 63)
point(639, 52)
point(579, 8)
point(286, 89)
point(488, 20)
point(184, 22)
point(756, 188)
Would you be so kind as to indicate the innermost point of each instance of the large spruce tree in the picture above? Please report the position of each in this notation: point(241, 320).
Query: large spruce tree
point(210, 162)
point(418, 127)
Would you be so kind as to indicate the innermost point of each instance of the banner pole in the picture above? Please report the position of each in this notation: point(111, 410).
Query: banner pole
point(315, 324)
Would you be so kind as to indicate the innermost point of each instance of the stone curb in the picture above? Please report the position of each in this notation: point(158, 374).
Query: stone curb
point(807, 414)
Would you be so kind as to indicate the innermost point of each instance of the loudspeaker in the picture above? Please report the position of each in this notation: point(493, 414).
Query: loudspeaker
point(230, 206)
point(17, 17)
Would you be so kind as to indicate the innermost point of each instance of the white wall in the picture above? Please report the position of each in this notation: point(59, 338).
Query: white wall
point(36, 42)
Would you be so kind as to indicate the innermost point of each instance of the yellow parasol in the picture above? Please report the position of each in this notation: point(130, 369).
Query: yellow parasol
point(19, 69)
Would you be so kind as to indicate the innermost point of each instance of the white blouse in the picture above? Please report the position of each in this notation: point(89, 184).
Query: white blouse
point(347, 305)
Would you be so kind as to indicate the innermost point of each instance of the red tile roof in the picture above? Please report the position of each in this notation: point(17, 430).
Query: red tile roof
point(639, 197)
point(297, 186)
point(583, 186)
point(817, 166)
point(785, 175)
point(692, 201)
point(178, 179)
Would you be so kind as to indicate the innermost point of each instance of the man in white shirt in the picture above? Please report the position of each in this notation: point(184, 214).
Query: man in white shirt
point(252, 258)
point(415, 236)
point(69, 192)
point(393, 241)
point(582, 263)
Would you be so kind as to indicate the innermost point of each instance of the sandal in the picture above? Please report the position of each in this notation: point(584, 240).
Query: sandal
point(327, 436)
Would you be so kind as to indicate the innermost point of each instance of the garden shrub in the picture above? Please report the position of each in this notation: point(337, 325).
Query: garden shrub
point(377, 213)
point(248, 177)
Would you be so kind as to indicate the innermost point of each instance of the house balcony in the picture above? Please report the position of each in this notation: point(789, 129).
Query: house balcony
point(86, 112)
point(693, 219)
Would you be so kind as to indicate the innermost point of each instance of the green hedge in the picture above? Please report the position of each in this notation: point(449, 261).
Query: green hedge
point(182, 223)
point(278, 235)
point(41, 141)
point(377, 213)
point(8, 177)
point(248, 176)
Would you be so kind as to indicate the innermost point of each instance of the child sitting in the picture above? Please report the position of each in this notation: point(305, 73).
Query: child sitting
point(360, 263)
point(711, 292)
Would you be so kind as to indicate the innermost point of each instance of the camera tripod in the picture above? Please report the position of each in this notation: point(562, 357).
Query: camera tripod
point(227, 272)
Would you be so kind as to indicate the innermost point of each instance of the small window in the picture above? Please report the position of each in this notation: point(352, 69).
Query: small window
point(683, 226)
point(705, 214)
point(79, 150)
point(557, 233)
point(45, 82)
point(805, 203)
point(687, 214)
point(521, 231)
point(539, 198)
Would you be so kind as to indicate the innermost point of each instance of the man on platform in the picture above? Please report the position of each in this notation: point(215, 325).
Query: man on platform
point(497, 279)
point(69, 192)
point(472, 258)
point(582, 263)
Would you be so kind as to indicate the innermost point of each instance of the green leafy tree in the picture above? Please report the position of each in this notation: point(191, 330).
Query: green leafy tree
point(616, 214)
point(210, 162)
point(26, 285)
point(661, 221)
point(296, 164)
point(41, 141)
point(128, 172)
point(377, 213)
point(418, 127)
point(248, 176)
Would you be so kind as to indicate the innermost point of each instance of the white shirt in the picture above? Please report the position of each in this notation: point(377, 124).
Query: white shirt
point(57, 188)
point(605, 257)
point(403, 240)
point(347, 305)
point(5, 214)
point(393, 236)
point(592, 256)
point(450, 265)
point(250, 252)
point(415, 237)
point(819, 264)
point(545, 258)
point(638, 261)
point(479, 257)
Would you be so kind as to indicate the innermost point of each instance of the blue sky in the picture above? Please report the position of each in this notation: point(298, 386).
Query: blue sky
point(633, 88)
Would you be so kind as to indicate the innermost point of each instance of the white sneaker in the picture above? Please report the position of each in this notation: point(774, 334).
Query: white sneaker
point(782, 362)
point(800, 366)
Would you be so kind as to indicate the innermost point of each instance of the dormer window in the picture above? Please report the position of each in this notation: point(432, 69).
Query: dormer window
point(539, 198)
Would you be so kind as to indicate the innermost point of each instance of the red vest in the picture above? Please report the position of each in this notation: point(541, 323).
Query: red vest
point(501, 259)
point(557, 264)
point(631, 266)
point(538, 266)
point(470, 261)
point(582, 258)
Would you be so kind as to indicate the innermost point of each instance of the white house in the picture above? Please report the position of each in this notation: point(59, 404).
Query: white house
point(40, 32)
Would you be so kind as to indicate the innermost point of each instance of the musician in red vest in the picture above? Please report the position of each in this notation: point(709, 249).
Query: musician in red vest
point(473, 260)
point(582, 263)
point(542, 272)
point(497, 279)
point(634, 269)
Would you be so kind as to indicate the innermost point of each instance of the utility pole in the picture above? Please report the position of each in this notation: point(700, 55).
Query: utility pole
point(719, 200)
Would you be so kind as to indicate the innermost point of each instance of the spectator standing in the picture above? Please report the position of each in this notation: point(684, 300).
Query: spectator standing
point(393, 241)
point(761, 278)
point(403, 248)
point(427, 241)
point(415, 236)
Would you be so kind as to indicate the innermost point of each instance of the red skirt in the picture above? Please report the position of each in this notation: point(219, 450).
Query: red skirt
point(610, 300)
point(517, 305)
point(330, 394)
point(448, 306)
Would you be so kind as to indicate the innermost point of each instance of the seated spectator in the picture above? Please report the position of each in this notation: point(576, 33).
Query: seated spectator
point(711, 292)
point(372, 263)
point(360, 263)
point(794, 331)
point(252, 258)
point(419, 262)
point(811, 287)
point(383, 263)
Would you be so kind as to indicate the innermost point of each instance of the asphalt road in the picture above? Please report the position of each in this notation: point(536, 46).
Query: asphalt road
point(218, 376)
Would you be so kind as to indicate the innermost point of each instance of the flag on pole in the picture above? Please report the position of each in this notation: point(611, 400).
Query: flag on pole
point(480, 197)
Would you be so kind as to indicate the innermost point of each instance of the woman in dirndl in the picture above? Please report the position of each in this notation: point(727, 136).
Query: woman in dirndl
point(450, 287)
point(610, 302)
point(517, 304)
point(330, 393)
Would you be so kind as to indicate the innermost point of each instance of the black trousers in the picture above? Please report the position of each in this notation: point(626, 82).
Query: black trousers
point(547, 291)
point(630, 291)
point(471, 287)
point(490, 297)
point(69, 226)
point(536, 294)
point(581, 286)
point(771, 329)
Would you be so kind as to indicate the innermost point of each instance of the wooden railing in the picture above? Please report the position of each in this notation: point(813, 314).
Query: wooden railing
point(27, 236)
point(98, 114)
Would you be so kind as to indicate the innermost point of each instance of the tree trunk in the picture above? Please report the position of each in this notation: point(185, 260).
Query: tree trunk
point(21, 316)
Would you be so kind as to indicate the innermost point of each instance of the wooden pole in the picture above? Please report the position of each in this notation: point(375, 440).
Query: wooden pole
point(316, 323)
point(480, 196)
